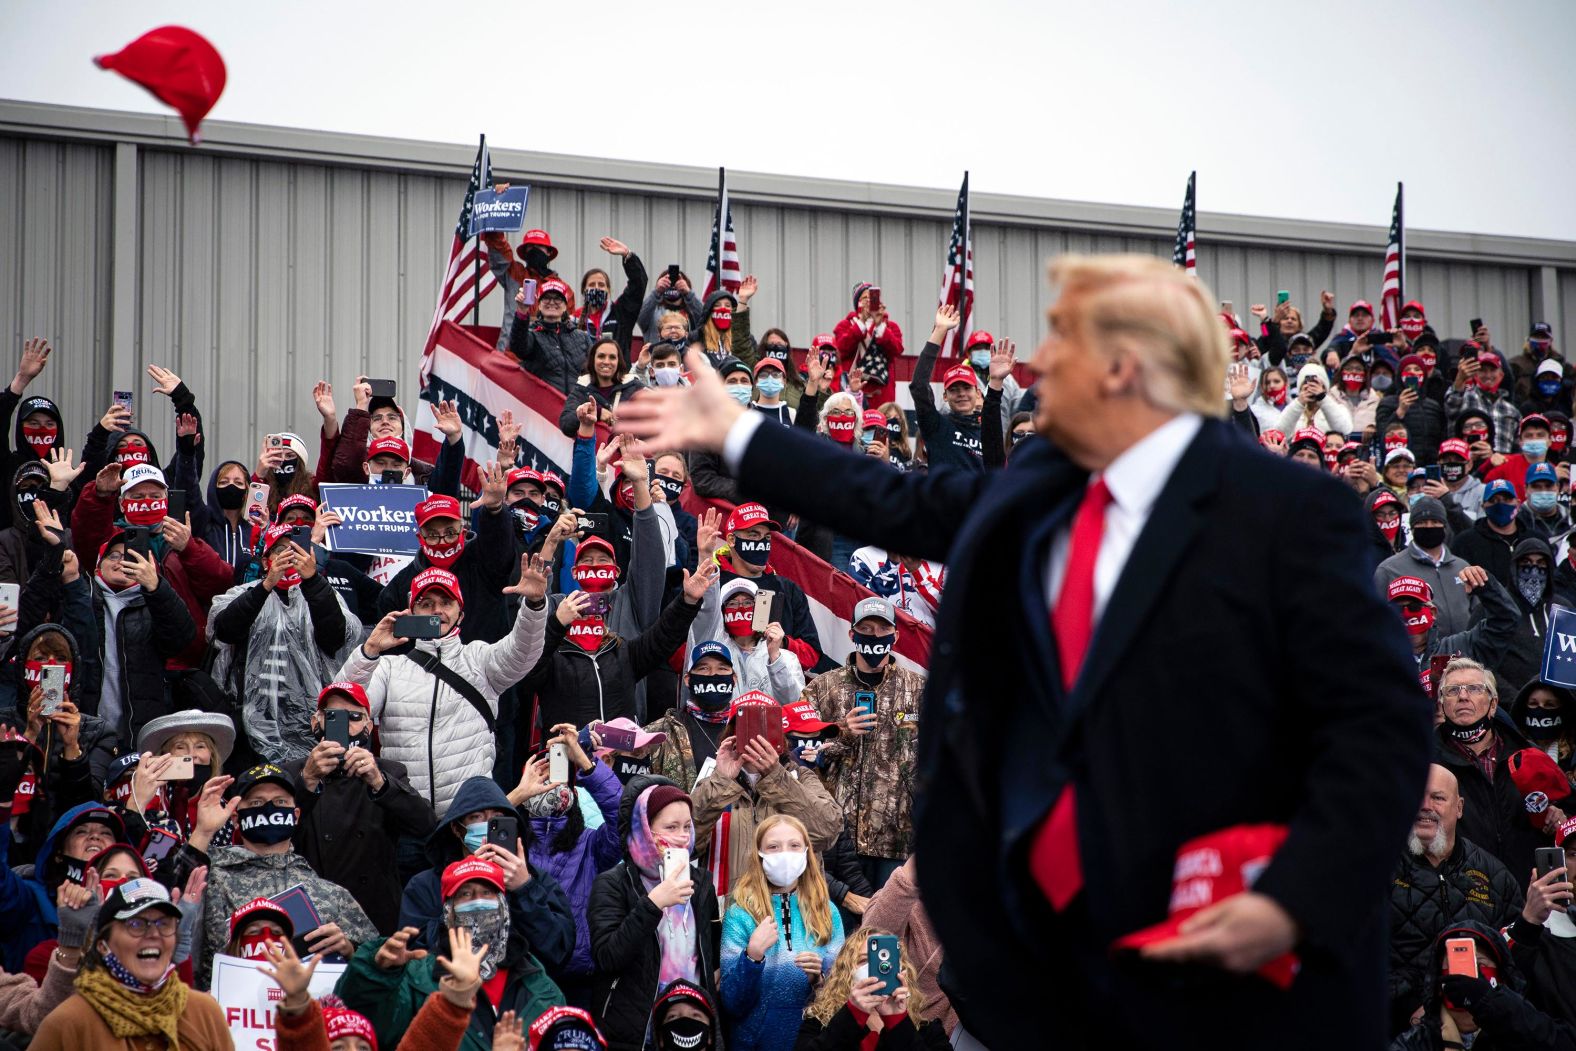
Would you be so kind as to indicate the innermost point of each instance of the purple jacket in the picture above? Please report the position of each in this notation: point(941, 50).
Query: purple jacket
point(577, 868)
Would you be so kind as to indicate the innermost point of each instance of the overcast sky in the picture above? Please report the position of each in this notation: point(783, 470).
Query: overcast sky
point(1287, 109)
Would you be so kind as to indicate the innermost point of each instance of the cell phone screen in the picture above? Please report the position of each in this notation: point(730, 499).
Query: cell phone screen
point(177, 505)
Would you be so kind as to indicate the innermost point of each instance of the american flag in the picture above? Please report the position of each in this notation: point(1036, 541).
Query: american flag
point(1394, 263)
point(722, 233)
point(957, 282)
point(467, 279)
point(1182, 251)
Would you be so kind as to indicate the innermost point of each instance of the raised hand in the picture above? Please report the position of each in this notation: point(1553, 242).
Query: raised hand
point(382, 636)
point(946, 318)
point(177, 534)
point(62, 472)
point(1002, 357)
point(164, 381)
point(1239, 379)
point(533, 781)
point(728, 761)
point(116, 418)
point(186, 426)
point(326, 519)
point(108, 479)
point(288, 972)
point(509, 1033)
point(508, 438)
point(1259, 310)
point(612, 247)
point(143, 570)
point(47, 522)
point(708, 533)
point(462, 967)
point(362, 392)
point(747, 289)
point(631, 466)
point(696, 583)
point(680, 418)
point(494, 485)
point(573, 607)
point(446, 417)
point(323, 398)
point(532, 585)
point(35, 355)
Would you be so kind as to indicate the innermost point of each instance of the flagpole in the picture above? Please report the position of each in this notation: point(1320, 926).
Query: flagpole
point(1400, 241)
point(476, 303)
point(957, 335)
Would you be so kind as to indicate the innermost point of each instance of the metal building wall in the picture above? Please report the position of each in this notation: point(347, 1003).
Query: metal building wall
point(271, 258)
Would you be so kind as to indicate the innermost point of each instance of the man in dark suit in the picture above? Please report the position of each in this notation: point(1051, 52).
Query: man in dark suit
point(1120, 667)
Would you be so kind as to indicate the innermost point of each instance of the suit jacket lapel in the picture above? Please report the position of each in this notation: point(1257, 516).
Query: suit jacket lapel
point(1173, 521)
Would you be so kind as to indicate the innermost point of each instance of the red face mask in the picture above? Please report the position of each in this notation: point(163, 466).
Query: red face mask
point(722, 317)
point(1278, 398)
point(587, 633)
point(1331, 457)
point(446, 555)
point(25, 790)
point(1394, 441)
point(1413, 326)
point(255, 946)
point(33, 671)
point(739, 622)
point(290, 579)
point(595, 578)
point(1487, 384)
point(1559, 440)
point(145, 512)
point(841, 428)
point(1390, 529)
point(42, 439)
point(1352, 381)
point(130, 455)
point(1418, 623)
point(109, 884)
point(1475, 436)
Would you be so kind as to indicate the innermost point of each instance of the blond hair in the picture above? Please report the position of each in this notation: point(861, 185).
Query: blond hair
point(1468, 664)
point(839, 981)
point(754, 895)
point(1143, 306)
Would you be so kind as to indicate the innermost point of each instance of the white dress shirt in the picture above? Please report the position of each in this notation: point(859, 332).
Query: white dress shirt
point(1135, 479)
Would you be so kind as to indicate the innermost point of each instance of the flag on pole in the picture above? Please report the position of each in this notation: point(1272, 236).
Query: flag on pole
point(957, 281)
point(467, 279)
point(1394, 263)
point(722, 262)
point(1182, 253)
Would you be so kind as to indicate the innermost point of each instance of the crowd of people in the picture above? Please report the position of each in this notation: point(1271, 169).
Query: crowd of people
point(583, 771)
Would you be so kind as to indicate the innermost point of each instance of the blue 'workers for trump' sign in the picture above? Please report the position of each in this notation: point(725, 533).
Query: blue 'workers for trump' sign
point(378, 519)
point(1559, 648)
point(504, 211)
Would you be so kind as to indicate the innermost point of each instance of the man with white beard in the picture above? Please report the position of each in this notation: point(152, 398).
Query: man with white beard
point(1543, 938)
point(1442, 879)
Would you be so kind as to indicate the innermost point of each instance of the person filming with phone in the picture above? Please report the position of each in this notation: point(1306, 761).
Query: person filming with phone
point(857, 1001)
point(356, 805)
point(1543, 936)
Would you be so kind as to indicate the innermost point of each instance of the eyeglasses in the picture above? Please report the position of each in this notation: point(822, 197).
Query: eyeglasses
point(115, 556)
point(440, 536)
point(165, 925)
point(1473, 690)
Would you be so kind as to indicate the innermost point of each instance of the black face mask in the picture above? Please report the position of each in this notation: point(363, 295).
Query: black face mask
point(1545, 727)
point(626, 767)
point(527, 513)
point(684, 1034)
point(537, 260)
point(267, 824)
point(285, 471)
point(201, 772)
point(873, 648)
point(76, 871)
point(1452, 472)
point(551, 505)
point(230, 497)
point(672, 487)
point(894, 432)
point(1428, 537)
point(775, 350)
point(755, 552)
point(1472, 733)
point(711, 692)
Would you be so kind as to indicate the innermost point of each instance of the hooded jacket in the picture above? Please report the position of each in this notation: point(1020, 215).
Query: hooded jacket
point(593, 852)
point(20, 544)
point(1546, 954)
point(1523, 659)
point(608, 397)
point(233, 543)
point(623, 921)
point(1384, 547)
point(427, 725)
point(1562, 749)
point(1483, 546)
point(797, 792)
point(21, 453)
point(538, 910)
point(620, 315)
point(553, 351)
point(1499, 406)
point(66, 782)
point(27, 905)
point(153, 629)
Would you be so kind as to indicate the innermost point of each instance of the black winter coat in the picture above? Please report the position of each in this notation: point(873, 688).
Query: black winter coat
point(553, 352)
point(845, 1033)
point(605, 398)
point(624, 946)
point(1495, 814)
point(1481, 546)
point(620, 318)
point(573, 686)
point(1549, 963)
point(1426, 424)
point(1471, 884)
point(350, 836)
point(150, 630)
point(483, 569)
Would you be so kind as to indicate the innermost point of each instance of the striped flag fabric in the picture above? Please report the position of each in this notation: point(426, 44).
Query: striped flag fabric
point(722, 262)
point(957, 281)
point(1182, 253)
point(1394, 263)
point(467, 279)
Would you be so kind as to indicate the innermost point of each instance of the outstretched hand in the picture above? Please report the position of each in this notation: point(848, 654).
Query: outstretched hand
point(696, 417)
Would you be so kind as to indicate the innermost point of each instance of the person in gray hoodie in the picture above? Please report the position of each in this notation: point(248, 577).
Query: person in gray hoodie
point(1428, 559)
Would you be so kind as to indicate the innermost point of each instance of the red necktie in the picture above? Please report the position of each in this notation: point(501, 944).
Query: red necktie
point(1053, 857)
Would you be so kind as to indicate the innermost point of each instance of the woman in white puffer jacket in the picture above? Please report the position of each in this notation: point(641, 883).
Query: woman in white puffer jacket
point(1312, 408)
point(423, 722)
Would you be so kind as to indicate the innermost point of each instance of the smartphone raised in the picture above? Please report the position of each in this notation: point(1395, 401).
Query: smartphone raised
point(528, 291)
point(10, 598)
point(1461, 957)
point(180, 768)
point(558, 763)
point(598, 603)
point(52, 680)
point(276, 441)
point(884, 960)
point(1282, 296)
point(503, 832)
point(865, 701)
point(673, 274)
point(1431, 472)
point(1547, 859)
point(418, 626)
point(1380, 339)
point(139, 539)
point(177, 505)
point(158, 845)
point(592, 522)
point(618, 738)
point(392, 476)
point(763, 610)
point(381, 388)
point(675, 862)
point(875, 298)
point(336, 726)
point(123, 399)
point(257, 496)
point(1475, 324)
point(760, 720)
point(301, 536)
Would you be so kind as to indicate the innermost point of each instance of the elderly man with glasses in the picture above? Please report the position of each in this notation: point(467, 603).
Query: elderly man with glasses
point(1475, 743)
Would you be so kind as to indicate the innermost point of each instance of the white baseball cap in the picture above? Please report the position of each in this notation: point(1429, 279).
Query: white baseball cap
point(142, 472)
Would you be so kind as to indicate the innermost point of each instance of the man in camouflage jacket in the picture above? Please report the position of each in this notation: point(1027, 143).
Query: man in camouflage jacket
point(869, 768)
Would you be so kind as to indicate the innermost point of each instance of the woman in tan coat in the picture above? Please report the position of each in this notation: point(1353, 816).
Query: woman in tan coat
point(128, 996)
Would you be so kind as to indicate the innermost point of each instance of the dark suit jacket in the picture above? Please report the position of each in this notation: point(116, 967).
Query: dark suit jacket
point(1221, 688)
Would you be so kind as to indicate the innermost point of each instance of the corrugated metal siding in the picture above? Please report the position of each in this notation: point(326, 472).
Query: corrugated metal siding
point(55, 222)
point(257, 277)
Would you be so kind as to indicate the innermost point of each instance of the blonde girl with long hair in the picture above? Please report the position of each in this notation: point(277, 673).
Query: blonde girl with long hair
point(850, 1007)
point(779, 936)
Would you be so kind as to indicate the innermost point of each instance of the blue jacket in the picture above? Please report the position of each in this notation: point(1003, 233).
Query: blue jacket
point(27, 905)
point(766, 1000)
point(577, 868)
point(538, 909)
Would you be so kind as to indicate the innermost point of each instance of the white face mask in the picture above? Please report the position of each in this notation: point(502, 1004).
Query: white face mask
point(666, 375)
point(784, 867)
point(862, 972)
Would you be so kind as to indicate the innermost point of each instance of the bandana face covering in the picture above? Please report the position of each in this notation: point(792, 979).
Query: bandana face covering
point(596, 299)
point(1531, 580)
point(41, 439)
point(145, 512)
point(841, 429)
point(1390, 529)
point(595, 579)
point(489, 926)
point(587, 633)
point(555, 802)
point(739, 622)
